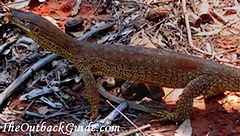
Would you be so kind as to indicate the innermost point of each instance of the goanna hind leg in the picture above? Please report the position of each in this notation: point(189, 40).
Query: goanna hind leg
point(199, 86)
point(90, 91)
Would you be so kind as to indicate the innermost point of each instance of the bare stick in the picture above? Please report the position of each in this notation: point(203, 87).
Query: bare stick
point(118, 100)
point(127, 118)
point(16, 83)
point(189, 30)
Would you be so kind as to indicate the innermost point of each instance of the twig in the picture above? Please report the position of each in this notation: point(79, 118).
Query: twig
point(165, 97)
point(76, 8)
point(16, 83)
point(237, 7)
point(219, 17)
point(102, 122)
point(107, 120)
point(34, 114)
point(189, 34)
point(25, 110)
point(15, 2)
point(226, 51)
point(221, 60)
point(7, 44)
point(126, 118)
point(118, 100)
point(96, 29)
point(98, 6)
point(110, 117)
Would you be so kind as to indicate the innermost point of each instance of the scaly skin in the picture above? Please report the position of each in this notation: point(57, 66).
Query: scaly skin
point(153, 66)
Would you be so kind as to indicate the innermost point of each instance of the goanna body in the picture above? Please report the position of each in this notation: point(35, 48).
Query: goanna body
point(153, 66)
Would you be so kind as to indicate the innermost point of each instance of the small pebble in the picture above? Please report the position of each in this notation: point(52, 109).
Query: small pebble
point(74, 24)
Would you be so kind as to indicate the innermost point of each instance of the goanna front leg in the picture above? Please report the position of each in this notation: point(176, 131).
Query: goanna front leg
point(90, 91)
point(201, 85)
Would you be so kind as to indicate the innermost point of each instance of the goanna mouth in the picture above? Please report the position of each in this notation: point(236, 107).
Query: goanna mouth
point(7, 17)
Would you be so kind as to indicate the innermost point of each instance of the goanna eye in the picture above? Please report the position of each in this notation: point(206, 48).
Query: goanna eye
point(29, 26)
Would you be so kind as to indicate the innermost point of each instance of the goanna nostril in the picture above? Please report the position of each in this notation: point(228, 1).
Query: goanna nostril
point(2, 20)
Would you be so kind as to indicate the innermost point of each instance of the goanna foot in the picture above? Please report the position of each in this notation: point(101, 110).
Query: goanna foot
point(165, 116)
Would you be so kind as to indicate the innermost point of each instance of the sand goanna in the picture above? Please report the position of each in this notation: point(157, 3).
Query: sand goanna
point(153, 66)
